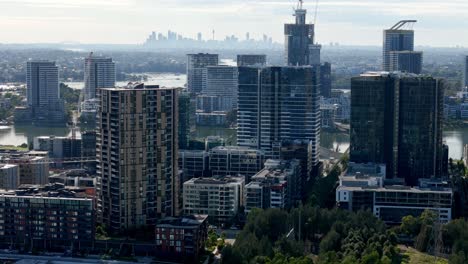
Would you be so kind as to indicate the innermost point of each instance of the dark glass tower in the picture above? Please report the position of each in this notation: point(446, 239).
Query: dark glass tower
point(420, 148)
point(278, 104)
point(396, 119)
point(398, 49)
point(298, 37)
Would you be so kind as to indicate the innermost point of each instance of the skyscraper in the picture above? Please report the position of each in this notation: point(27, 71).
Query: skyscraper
point(325, 79)
point(298, 38)
point(251, 60)
point(196, 70)
point(137, 156)
point(42, 83)
point(99, 73)
point(43, 95)
point(397, 39)
point(221, 81)
point(314, 54)
point(278, 104)
point(406, 61)
point(186, 111)
point(396, 119)
point(465, 72)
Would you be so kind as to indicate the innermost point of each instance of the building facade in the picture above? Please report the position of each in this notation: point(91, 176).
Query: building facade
point(32, 169)
point(194, 164)
point(465, 72)
point(186, 122)
point(50, 218)
point(398, 49)
point(235, 161)
point(278, 185)
point(251, 60)
point(137, 156)
point(278, 104)
point(406, 61)
point(220, 199)
point(58, 147)
point(221, 81)
point(43, 95)
point(363, 188)
point(9, 176)
point(298, 38)
point(99, 72)
point(396, 119)
point(181, 238)
point(196, 70)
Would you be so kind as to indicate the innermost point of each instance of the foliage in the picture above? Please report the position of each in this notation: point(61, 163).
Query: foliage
point(341, 236)
point(14, 101)
point(425, 230)
point(70, 96)
point(214, 241)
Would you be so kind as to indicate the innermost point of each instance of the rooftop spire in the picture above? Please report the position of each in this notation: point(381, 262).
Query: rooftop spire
point(300, 13)
point(299, 4)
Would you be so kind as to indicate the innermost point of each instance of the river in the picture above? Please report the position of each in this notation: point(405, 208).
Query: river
point(161, 79)
point(17, 135)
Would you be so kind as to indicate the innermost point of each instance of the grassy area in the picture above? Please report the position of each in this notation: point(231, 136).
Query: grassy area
point(17, 148)
point(412, 256)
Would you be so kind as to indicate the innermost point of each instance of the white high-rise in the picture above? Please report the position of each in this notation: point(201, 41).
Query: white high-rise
point(99, 73)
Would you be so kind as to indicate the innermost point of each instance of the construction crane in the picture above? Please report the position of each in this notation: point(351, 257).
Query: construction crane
point(315, 13)
point(402, 23)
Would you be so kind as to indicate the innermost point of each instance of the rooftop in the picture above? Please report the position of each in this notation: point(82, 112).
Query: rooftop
point(184, 221)
point(138, 86)
point(56, 190)
point(215, 181)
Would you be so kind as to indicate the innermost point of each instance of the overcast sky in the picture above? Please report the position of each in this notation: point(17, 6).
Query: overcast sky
point(355, 22)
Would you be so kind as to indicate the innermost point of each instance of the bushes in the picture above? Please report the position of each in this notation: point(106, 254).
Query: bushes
point(342, 236)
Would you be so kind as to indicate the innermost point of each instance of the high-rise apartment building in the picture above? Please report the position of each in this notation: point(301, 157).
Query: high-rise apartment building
point(99, 73)
point(221, 81)
point(196, 70)
point(42, 81)
point(395, 40)
point(406, 61)
point(314, 54)
point(186, 119)
point(43, 95)
point(137, 156)
point(298, 39)
point(325, 80)
point(465, 72)
point(251, 60)
point(396, 119)
point(278, 104)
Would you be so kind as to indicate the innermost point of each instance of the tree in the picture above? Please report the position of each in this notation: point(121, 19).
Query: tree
point(231, 256)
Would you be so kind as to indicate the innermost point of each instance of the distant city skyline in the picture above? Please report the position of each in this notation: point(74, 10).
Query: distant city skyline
point(130, 21)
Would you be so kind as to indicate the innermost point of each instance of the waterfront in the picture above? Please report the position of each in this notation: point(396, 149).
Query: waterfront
point(161, 79)
point(17, 135)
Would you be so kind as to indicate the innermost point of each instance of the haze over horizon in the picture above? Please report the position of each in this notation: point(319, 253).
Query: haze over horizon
point(130, 21)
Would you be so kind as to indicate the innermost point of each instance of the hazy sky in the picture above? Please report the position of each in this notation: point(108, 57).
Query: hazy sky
point(357, 22)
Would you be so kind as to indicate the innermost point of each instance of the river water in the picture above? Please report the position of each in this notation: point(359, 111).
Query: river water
point(161, 79)
point(17, 135)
